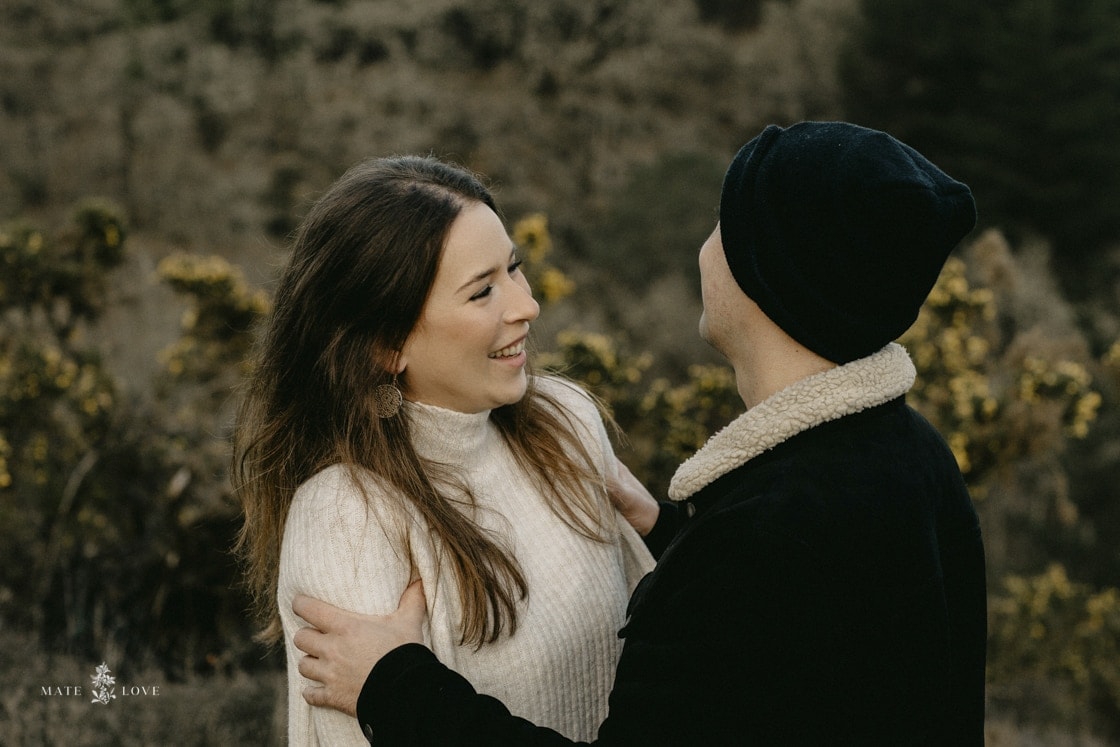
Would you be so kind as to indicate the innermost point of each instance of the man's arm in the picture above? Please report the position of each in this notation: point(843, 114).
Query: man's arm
point(704, 661)
point(451, 711)
point(371, 666)
point(341, 647)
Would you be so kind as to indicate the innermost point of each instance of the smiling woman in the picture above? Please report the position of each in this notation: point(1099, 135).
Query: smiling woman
point(467, 353)
point(486, 482)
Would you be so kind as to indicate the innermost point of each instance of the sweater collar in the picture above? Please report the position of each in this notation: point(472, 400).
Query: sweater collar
point(832, 394)
point(447, 436)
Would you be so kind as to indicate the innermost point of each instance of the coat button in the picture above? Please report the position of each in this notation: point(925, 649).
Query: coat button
point(368, 731)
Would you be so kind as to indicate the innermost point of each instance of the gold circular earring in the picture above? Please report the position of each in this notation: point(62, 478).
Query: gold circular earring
point(387, 399)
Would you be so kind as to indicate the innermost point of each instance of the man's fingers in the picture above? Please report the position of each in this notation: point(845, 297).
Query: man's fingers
point(321, 697)
point(316, 696)
point(343, 646)
point(309, 641)
point(317, 613)
point(311, 668)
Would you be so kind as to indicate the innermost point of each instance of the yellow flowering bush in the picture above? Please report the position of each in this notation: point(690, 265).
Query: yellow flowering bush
point(55, 398)
point(1065, 382)
point(531, 235)
point(1055, 644)
point(676, 420)
point(1011, 399)
point(5, 455)
point(102, 493)
point(661, 423)
point(1112, 357)
point(57, 402)
point(996, 401)
point(64, 274)
point(214, 328)
point(19, 272)
point(950, 343)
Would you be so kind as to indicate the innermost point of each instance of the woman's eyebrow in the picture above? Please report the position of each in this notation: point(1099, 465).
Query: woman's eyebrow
point(487, 272)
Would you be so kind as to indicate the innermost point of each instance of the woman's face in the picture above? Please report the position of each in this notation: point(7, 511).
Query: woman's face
point(467, 352)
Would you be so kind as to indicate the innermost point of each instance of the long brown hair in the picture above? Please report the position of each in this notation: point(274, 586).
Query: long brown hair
point(363, 263)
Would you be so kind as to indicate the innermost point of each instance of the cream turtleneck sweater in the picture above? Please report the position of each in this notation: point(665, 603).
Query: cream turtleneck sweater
point(557, 670)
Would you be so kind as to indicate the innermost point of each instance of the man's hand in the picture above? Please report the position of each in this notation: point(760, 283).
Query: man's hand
point(632, 500)
point(341, 647)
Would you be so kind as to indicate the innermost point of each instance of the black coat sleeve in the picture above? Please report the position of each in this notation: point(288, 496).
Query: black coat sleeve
point(669, 520)
point(410, 698)
point(690, 671)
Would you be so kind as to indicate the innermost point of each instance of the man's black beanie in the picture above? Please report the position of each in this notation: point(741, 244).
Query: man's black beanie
point(838, 232)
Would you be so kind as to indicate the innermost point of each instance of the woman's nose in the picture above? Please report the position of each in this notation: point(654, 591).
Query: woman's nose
point(523, 307)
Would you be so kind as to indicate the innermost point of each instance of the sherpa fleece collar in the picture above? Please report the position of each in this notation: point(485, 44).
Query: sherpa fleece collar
point(832, 394)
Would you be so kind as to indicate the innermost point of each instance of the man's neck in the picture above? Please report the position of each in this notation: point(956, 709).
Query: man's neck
point(772, 367)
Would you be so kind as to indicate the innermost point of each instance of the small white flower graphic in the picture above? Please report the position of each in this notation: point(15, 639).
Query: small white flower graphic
point(103, 685)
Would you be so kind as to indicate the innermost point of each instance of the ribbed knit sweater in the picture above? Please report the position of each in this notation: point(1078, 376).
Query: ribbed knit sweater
point(557, 669)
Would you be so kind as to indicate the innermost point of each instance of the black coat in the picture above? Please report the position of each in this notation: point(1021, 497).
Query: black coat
point(829, 590)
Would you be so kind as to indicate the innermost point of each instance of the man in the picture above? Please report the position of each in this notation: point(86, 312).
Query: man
point(820, 575)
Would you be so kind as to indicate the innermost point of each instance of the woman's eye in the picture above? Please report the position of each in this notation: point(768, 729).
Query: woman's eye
point(512, 269)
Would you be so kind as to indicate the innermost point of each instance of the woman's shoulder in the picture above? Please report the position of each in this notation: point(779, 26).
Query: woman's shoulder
point(343, 491)
point(568, 394)
point(329, 484)
point(577, 412)
point(344, 510)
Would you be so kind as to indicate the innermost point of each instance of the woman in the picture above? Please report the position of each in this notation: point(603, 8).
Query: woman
point(391, 431)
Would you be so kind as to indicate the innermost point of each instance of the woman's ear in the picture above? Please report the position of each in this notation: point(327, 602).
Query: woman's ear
point(394, 362)
point(397, 360)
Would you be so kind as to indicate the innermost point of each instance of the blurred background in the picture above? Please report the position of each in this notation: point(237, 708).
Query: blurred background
point(157, 154)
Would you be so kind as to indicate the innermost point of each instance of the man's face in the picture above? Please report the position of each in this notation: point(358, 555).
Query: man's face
point(719, 291)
